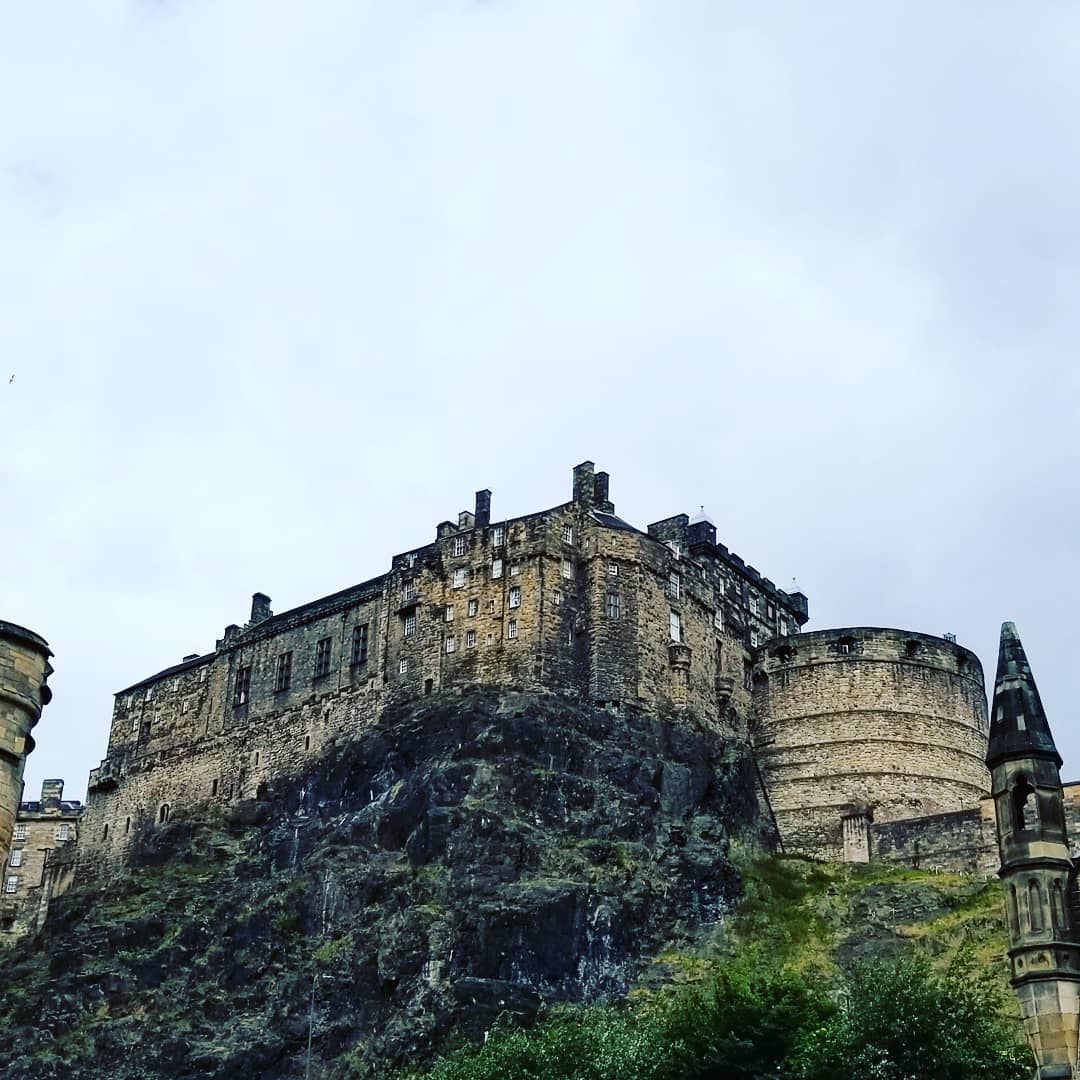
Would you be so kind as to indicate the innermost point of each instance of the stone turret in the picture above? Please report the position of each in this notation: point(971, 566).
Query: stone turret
point(1036, 869)
point(24, 667)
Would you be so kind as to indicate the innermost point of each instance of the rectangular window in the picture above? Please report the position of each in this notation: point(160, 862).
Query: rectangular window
point(403, 666)
point(134, 721)
point(569, 635)
point(474, 607)
point(755, 606)
point(360, 644)
point(409, 624)
point(491, 607)
point(567, 569)
point(781, 626)
point(748, 675)
point(470, 639)
point(322, 657)
point(718, 619)
point(556, 598)
point(770, 611)
point(408, 590)
point(16, 858)
point(612, 605)
point(673, 547)
point(284, 672)
point(498, 535)
point(568, 534)
point(11, 884)
point(449, 613)
point(20, 833)
point(515, 596)
point(675, 626)
point(613, 569)
point(63, 832)
point(511, 628)
point(515, 569)
point(451, 644)
point(459, 578)
point(674, 585)
point(755, 639)
point(243, 685)
point(460, 545)
point(496, 568)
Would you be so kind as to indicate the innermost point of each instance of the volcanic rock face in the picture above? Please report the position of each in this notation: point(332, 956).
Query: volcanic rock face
point(466, 858)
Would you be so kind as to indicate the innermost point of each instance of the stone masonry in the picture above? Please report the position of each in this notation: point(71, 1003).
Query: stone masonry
point(24, 668)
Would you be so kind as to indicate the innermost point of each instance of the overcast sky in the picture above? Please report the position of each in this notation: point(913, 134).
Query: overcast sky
point(281, 285)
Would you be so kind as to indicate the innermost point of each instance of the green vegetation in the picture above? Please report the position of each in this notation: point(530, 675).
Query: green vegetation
point(823, 972)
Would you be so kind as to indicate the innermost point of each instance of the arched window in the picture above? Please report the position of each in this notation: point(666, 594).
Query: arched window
point(1036, 919)
point(1025, 805)
point(1057, 907)
point(163, 813)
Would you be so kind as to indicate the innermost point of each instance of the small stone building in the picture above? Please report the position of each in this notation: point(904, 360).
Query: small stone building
point(41, 859)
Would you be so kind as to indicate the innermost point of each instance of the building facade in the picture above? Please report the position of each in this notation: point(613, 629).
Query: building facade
point(571, 600)
point(41, 859)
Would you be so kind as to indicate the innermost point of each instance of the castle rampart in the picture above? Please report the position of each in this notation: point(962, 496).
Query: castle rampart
point(24, 669)
point(892, 719)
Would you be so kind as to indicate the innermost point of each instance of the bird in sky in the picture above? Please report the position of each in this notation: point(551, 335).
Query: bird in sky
point(11, 380)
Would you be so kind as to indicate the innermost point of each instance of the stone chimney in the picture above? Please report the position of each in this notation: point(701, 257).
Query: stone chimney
point(52, 791)
point(584, 483)
point(483, 508)
point(260, 609)
point(600, 493)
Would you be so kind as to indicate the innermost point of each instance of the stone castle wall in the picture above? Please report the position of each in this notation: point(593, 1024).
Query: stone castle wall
point(24, 668)
point(571, 600)
point(891, 719)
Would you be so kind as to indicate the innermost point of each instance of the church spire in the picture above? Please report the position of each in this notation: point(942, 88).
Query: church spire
point(1018, 724)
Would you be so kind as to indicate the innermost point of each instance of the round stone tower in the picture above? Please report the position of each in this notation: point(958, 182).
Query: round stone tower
point(24, 667)
point(888, 720)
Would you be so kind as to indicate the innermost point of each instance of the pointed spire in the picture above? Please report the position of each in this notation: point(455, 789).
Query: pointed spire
point(1018, 724)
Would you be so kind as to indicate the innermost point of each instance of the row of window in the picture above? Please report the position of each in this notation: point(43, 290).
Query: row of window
point(324, 650)
point(498, 537)
point(63, 832)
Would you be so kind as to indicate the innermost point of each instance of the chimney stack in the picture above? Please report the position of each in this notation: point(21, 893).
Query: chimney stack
point(260, 609)
point(52, 791)
point(584, 483)
point(483, 508)
point(600, 493)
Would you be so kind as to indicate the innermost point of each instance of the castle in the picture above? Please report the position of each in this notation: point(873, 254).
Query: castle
point(857, 732)
point(870, 743)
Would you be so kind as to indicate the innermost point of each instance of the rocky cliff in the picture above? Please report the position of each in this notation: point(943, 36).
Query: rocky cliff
point(466, 859)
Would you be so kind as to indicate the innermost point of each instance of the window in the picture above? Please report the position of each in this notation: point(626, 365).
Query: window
point(202, 675)
point(718, 619)
point(255, 759)
point(459, 578)
point(470, 639)
point(496, 568)
point(127, 826)
point(612, 605)
point(20, 833)
point(322, 657)
point(498, 535)
point(408, 590)
point(674, 585)
point(243, 685)
point(613, 569)
point(515, 569)
point(11, 884)
point(403, 666)
point(567, 569)
point(284, 672)
point(569, 635)
point(134, 721)
point(63, 832)
point(451, 644)
point(163, 813)
point(568, 534)
point(781, 626)
point(755, 639)
point(556, 598)
point(770, 611)
point(307, 742)
point(748, 675)
point(511, 628)
point(515, 596)
point(213, 790)
point(491, 607)
point(410, 559)
point(448, 615)
point(461, 544)
point(149, 694)
point(675, 626)
point(755, 606)
point(409, 624)
point(673, 547)
point(474, 607)
point(360, 644)
point(16, 858)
